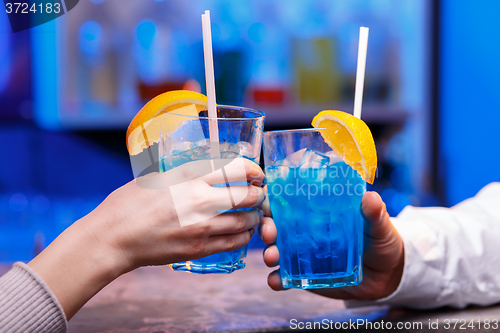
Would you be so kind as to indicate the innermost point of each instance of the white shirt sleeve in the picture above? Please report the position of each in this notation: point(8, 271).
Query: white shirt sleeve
point(452, 255)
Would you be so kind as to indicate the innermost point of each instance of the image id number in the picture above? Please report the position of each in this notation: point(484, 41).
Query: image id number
point(24, 8)
point(462, 324)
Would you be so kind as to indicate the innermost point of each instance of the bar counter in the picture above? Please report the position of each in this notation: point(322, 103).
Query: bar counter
point(157, 299)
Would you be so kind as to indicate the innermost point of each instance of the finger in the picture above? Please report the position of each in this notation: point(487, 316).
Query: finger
point(274, 280)
point(374, 210)
point(266, 208)
point(271, 256)
point(383, 247)
point(227, 243)
point(246, 196)
point(226, 197)
point(188, 171)
point(235, 170)
point(233, 223)
point(267, 230)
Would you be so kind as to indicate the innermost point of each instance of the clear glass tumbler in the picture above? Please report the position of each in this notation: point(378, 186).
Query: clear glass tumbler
point(315, 200)
point(240, 135)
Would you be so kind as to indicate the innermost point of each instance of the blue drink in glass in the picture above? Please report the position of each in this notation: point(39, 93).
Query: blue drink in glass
point(240, 135)
point(315, 199)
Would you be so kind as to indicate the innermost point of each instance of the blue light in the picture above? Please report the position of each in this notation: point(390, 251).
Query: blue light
point(18, 202)
point(216, 33)
point(399, 176)
point(257, 32)
point(349, 31)
point(90, 35)
point(4, 53)
point(44, 56)
point(146, 33)
point(40, 204)
point(399, 201)
point(97, 2)
point(388, 194)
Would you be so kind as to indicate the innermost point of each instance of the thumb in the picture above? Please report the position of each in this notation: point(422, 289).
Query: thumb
point(375, 213)
point(383, 247)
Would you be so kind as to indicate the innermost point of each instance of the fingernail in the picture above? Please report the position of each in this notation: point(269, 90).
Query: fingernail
point(252, 231)
point(261, 214)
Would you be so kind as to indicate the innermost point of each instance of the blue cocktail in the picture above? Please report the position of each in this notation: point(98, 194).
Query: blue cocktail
point(240, 135)
point(315, 199)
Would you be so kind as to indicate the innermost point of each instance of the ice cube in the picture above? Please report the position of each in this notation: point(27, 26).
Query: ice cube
point(240, 148)
point(313, 167)
point(295, 160)
point(228, 154)
point(318, 227)
point(334, 158)
point(271, 174)
point(313, 160)
point(276, 178)
point(282, 172)
point(200, 152)
point(322, 201)
point(243, 149)
point(305, 243)
point(224, 146)
point(342, 198)
point(338, 236)
point(281, 210)
point(320, 175)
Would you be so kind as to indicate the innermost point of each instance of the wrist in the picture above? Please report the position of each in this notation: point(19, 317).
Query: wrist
point(103, 245)
point(76, 266)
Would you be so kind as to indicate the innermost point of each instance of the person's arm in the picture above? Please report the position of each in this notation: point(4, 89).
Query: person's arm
point(139, 225)
point(451, 254)
point(27, 304)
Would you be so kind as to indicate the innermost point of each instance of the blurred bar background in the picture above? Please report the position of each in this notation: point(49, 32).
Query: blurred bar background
point(69, 88)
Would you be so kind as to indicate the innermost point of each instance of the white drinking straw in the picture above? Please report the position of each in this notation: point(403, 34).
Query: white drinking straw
point(360, 72)
point(209, 76)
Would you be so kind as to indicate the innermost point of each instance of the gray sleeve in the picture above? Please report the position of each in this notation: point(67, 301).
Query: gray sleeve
point(27, 304)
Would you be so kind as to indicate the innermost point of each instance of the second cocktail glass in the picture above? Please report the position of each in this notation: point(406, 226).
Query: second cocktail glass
point(315, 200)
point(240, 135)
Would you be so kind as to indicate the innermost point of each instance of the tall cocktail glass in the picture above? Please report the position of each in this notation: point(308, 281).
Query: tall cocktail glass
point(315, 200)
point(240, 135)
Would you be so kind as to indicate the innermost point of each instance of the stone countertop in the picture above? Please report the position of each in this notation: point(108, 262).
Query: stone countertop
point(157, 299)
